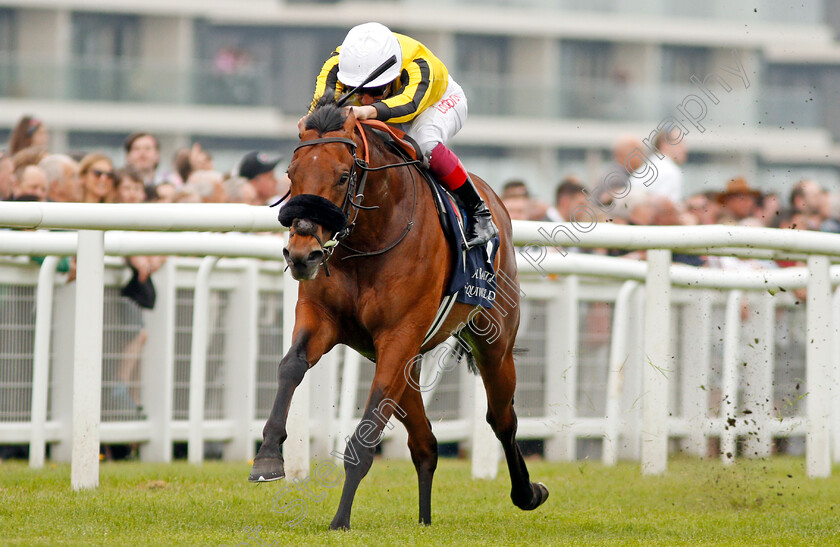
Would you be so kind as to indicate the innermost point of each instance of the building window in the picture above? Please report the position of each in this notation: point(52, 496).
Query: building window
point(259, 66)
point(8, 31)
point(105, 49)
point(680, 63)
point(482, 68)
point(794, 96)
point(8, 64)
point(589, 83)
point(586, 60)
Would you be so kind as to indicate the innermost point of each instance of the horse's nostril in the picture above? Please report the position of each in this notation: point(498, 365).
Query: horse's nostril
point(286, 254)
point(315, 256)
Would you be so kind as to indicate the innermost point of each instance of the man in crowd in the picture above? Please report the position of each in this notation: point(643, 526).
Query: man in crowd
point(209, 186)
point(259, 171)
point(518, 207)
point(627, 158)
point(568, 197)
point(31, 184)
point(63, 184)
point(704, 208)
point(142, 153)
point(240, 190)
point(807, 199)
point(670, 145)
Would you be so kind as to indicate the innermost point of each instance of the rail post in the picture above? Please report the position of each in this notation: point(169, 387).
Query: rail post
point(41, 360)
point(296, 447)
point(198, 359)
point(87, 360)
point(818, 363)
point(658, 363)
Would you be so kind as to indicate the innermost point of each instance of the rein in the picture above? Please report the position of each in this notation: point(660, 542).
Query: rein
point(355, 195)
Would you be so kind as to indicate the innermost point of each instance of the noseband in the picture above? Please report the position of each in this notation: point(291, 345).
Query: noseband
point(337, 220)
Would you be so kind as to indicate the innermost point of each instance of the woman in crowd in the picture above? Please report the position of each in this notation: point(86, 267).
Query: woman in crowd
point(29, 131)
point(135, 296)
point(97, 175)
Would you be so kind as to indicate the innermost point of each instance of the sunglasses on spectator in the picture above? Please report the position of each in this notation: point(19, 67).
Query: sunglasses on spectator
point(98, 173)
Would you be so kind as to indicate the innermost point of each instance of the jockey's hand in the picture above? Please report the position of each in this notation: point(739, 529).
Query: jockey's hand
point(364, 112)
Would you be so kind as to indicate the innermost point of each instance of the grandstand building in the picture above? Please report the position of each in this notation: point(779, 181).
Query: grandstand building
point(551, 84)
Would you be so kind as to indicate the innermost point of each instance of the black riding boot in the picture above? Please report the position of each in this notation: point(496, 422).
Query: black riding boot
point(481, 227)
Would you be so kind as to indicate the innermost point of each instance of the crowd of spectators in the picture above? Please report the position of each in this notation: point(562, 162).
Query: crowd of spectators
point(644, 186)
point(30, 171)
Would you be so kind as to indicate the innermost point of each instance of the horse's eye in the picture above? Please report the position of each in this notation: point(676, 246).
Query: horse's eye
point(343, 179)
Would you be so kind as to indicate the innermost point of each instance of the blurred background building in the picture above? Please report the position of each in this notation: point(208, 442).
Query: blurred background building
point(551, 84)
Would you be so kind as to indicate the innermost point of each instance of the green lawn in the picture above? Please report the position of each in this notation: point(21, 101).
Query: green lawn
point(695, 503)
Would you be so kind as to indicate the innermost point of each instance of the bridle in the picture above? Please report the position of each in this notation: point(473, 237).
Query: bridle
point(353, 198)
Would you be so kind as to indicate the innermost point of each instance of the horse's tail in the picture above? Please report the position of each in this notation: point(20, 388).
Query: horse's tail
point(517, 352)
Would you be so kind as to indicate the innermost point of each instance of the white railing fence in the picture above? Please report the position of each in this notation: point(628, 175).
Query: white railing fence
point(610, 359)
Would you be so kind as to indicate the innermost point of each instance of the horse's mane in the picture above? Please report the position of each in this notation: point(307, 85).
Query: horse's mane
point(326, 116)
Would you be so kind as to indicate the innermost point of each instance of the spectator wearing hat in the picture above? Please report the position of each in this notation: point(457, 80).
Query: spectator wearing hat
point(258, 169)
point(739, 200)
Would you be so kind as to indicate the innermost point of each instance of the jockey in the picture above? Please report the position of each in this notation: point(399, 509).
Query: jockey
point(416, 94)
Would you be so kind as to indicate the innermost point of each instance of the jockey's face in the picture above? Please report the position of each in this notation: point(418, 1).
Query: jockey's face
point(369, 95)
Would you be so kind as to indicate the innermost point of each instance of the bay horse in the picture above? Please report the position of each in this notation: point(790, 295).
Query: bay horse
point(379, 295)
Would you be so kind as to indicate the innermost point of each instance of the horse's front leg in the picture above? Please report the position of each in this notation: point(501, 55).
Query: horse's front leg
point(389, 384)
point(311, 339)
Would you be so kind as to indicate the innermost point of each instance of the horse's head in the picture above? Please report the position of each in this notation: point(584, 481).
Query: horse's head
point(321, 169)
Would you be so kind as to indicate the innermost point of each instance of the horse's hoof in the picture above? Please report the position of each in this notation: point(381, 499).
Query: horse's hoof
point(267, 470)
point(539, 493)
point(345, 526)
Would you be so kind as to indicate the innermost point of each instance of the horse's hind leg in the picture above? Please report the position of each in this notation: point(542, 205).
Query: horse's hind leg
point(423, 446)
point(500, 383)
point(389, 385)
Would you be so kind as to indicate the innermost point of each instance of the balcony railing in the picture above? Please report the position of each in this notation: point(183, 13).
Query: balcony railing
point(811, 12)
point(131, 80)
point(489, 94)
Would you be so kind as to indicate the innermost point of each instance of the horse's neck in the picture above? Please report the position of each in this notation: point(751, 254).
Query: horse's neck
point(393, 191)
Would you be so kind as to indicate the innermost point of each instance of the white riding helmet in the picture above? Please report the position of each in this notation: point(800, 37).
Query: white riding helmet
point(364, 49)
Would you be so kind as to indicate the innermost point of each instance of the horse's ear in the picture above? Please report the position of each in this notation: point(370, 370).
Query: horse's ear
point(350, 121)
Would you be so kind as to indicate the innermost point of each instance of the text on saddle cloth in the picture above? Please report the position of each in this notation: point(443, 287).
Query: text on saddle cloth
point(474, 277)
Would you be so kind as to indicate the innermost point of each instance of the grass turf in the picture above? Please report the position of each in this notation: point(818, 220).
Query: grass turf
point(768, 502)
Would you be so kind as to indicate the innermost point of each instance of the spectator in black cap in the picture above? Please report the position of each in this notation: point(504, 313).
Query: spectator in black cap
point(259, 171)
